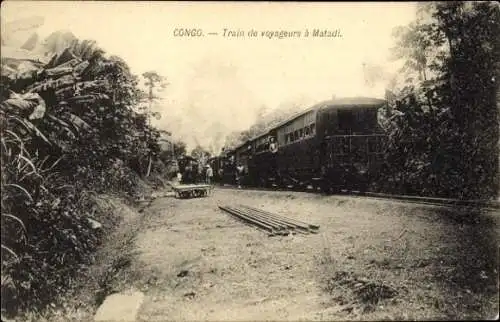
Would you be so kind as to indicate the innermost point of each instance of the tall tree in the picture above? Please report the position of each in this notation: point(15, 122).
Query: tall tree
point(471, 30)
point(153, 81)
point(458, 42)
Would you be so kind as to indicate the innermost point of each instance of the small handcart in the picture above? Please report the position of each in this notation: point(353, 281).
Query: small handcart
point(184, 191)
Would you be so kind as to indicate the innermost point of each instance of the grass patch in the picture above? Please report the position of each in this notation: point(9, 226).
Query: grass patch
point(413, 263)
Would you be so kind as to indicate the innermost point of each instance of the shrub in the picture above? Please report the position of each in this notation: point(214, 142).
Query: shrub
point(70, 129)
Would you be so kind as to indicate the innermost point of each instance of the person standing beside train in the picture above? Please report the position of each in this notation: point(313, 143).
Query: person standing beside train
point(273, 146)
point(209, 174)
point(239, 174)
point(273, 166)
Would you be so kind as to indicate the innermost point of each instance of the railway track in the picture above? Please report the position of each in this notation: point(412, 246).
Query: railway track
point(487, 205)
point(273, 224)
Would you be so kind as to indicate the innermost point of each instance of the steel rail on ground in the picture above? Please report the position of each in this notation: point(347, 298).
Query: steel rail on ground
point(444, 202)
point(291, 221)
point(241, 215)
point(271, 223)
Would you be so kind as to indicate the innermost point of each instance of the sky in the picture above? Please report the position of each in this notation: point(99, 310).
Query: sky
point(217, 84)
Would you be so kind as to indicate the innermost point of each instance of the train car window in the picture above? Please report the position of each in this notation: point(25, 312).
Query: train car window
point(301, 133)
point(360, 115)
point(307, 130)
point(313, 127)
point(345, 120)
point(358, 125)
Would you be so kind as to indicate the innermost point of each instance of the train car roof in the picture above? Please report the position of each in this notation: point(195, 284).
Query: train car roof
point(249, 141)
point(346, 102)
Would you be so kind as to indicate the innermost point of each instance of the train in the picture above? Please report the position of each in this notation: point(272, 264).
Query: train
point(333, 145)
point(189, 168)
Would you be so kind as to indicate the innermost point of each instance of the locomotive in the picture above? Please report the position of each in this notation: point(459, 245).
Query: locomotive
point(188, 167)
point(336, 144)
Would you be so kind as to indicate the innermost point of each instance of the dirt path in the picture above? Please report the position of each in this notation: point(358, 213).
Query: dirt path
point(195, 262)
point(210, 267)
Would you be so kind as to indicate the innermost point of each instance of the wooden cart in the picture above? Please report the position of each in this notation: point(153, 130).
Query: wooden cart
point(184, 191)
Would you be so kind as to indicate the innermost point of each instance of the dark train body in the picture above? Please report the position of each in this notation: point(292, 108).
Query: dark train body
point(189, 168)
point(334, 145)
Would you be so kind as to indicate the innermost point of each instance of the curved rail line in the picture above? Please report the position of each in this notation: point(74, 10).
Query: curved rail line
point(487, 205)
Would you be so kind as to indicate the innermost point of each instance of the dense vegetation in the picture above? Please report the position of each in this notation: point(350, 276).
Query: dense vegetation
point(70, 129)
point(443, 123)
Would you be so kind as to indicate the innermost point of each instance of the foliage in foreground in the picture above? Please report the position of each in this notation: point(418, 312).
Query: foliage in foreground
point(70, 129)
point(443, 129)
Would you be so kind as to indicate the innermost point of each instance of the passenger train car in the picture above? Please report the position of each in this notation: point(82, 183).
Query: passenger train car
point(335, 144)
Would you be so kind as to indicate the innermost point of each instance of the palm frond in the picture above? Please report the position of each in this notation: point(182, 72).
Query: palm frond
point(19, 221)
point(10, 251)
point(59, 71)
point(27, 163)
point(18, 139)
point(53, 164)
point(20, 188)
point(78, 122)
point(64, 125)
point(32, 128)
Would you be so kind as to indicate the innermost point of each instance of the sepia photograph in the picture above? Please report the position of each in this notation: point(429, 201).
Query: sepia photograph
point(250, 161)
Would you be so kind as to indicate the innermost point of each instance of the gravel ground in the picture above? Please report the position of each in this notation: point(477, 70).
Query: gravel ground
point(371, 260)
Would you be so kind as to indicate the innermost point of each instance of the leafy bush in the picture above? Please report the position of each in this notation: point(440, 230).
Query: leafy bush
point(70, 129)
point(444, 128)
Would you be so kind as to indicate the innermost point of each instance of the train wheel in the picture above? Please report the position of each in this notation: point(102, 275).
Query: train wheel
point(335, 190)
point(324, 186)
point(363, 187)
